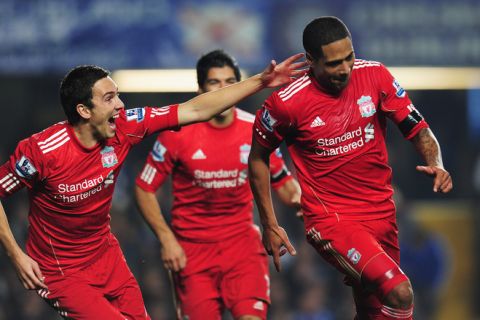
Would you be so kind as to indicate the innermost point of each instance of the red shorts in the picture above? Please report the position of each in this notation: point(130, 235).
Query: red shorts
point(366, 251)
point(106, 289)
point(232, 273)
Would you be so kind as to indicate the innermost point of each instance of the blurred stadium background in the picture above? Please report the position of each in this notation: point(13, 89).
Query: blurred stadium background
point(41, 40)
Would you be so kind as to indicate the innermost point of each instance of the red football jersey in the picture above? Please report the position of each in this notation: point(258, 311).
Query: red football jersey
point(209, 167)
point(71, 187)
point(337, 143)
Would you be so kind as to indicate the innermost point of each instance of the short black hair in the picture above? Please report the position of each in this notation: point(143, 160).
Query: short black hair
point(322, 31)
point(215, 59)
point(76, 88)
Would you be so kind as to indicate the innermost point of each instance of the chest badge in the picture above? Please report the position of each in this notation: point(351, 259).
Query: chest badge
point(244, 152)
point(366, 106)
point(109, 158)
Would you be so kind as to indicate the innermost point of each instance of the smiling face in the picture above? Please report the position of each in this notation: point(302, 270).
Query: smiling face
point(106, 107)
point(334, 68)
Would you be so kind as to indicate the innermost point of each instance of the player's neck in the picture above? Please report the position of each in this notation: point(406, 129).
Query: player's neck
point(223, 120)
point(85, 135)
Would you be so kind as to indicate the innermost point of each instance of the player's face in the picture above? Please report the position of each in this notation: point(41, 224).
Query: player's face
point(106, 107)
point(218, 78)
point(333, 70)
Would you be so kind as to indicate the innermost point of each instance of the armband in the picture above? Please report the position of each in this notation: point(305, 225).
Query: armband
point(279, 175)
point(410, 122)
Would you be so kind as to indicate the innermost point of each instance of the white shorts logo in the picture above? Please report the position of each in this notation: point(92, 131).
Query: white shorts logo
point(258, 305)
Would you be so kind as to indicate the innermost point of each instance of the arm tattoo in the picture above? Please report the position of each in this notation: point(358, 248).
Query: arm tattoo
point(428, 147)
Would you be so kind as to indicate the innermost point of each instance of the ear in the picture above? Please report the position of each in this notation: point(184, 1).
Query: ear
point(200, 91)
point(309, 58)
point(84, 111)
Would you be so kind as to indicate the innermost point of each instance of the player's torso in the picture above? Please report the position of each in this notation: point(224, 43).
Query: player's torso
point(338, 146)
point(338, 128)
point(78, 181)
point(212, 162)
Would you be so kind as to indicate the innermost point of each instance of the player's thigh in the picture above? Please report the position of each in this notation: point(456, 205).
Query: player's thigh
point(250, 309)
point(80, 301)
point(129, 301)
point(355, 250)
point(246, 281)
point(199, 296)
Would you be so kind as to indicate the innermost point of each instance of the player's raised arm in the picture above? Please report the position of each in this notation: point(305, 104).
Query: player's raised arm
point(207, 105)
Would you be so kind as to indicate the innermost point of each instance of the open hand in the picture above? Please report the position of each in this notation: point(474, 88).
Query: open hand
point(279, 74)
point(28, 272)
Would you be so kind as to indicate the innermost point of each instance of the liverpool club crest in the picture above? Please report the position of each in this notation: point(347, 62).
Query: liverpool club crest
point(366, 106)
point(354, 255)
point(109, 158)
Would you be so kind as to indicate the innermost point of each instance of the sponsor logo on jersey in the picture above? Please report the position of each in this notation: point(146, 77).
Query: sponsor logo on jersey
point(220, 179)
point(342, 144)
point(84, 189)
point(158, 152)
point(244, 152)
point(354, 255)
point(317, 122)
point(199, 155)
point(369, 131)
point(346, 142)
point(366, 106)
point(399, 91)
point(24, 168)
point(109, 179)
point(109, 158)
point(85, 184)
point(135, 114)
point(242, 177)
point(267, 120)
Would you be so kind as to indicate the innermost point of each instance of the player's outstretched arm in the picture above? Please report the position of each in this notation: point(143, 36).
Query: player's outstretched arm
point(173, 256)
point(429, 148)
point(205, 106)
point(27, 269)
point(275, 239)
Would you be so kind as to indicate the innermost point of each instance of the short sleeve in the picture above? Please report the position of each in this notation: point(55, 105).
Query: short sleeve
point(272, 123)
point(25, 168)
point(397, 105)
point(137, 123)
point(160, 162)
